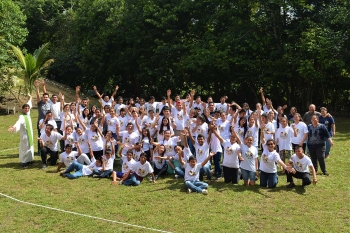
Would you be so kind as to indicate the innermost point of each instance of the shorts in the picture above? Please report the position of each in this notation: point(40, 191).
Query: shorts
point(248, 175)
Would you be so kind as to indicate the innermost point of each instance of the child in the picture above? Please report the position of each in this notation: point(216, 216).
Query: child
point(128, 161)
point(107, 165)
point(192, 170)
point(138, 171)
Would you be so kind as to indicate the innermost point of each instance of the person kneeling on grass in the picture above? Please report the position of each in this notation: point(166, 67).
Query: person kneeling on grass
point(300, 169)
point(70, 156)
point(128, 162)
point(82, 170)
point(192, 170)
point(139, 171)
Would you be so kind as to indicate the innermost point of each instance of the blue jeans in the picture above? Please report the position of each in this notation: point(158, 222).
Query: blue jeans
point(328, 147)
point(196, 185)
point(206, 169)
point(218, 169)
point(132, 181)
point(78, 170)
point(248, 175)
point(180, 171)
point(103, 174)
point(268, 179)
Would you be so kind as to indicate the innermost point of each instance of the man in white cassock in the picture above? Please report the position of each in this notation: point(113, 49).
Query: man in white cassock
point(24, 127)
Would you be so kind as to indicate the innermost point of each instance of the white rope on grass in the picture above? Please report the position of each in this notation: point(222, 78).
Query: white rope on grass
point(9, 149)
point(84, 215)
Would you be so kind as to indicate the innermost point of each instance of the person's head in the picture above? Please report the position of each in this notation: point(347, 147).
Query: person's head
point(210, 99)
point(45, 97)
point(106, 98)
point(79, 131)
point(192, 161)
point(98, 162)
point(120, 100)
point(48, 129)
point(93, 108)
point(134, 113)
point(297, 118)
point(161, 150)
point(49, 114)
point(263, 118)
point(271, 115)
point(233, 138)
point(299, 151)
point(129, 127)
point(54, 98)
point(138, 146)
point(106, 108)
point(222, 99)
point(86, 112)
point(280, 110)
point(241, 113)
point(25, 108)
point(142, 101)
point(167, 134)
point(323, 111)
point(246, 106)
point(270, 143)
point(151, 113)
point(108, 153)
point(84, 102)
point(66, 107)
point(93, 128)
point(249, 141)
point(109, 134)
point(211, 106)
point(112, 112)
point(72, 107)
point(69, 129)
point(151, 99)
point(251, 120)
point(242, 121)
point(283, 121)
point(217, 114)
point(198, 99)
point(268, 105)
point(200, 120)
point(146, 133)
point(143, 158)
point(314, 120)
point(198, 110)
point(166, 111)
point(165, 121)
point(131, 101)
point(192, 113)
point(258, 106)
point(293, 110)
point(177, 149)
point(129, 154)
point(223, 116)
point(200, 139)
point(68, 148)
point(122, 112)
point(98, 113)
point(178, 106)
point(312, 108)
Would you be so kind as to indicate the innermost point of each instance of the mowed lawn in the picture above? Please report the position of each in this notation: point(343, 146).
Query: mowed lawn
point(165, 205)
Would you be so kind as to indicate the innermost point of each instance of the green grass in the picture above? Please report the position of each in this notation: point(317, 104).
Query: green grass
point(165, 205)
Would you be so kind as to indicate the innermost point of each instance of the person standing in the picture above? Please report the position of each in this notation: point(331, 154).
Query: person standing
point(318, 134)
point(329, 122)
point(26, 145)
point(312, 111)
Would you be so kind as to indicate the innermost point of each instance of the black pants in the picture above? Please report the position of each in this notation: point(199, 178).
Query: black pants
point(231, 175)
point(98, 154)
point(53, 156)
point(305, 176)
point(318, 154)
point(157, 171)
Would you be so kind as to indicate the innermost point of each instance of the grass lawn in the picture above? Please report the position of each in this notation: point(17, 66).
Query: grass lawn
point(165, 205)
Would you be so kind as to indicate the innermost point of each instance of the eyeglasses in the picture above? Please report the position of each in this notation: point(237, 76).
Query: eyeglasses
point(270, 144)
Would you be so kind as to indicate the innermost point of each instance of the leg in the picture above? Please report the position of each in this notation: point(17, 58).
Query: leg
point(290, 177)
point(43, 154)
point(252, 176)
point(218, 169)
point(191, 185)
point(131, 181)
point(106, 173)
point(313, 155)
point(227, 174)
point(163, 170)
point(245, 175)
point(83, 158)
point(263, 179)
point(235, 175)
point(272, 180)
point(201, 185)
point(180, 172)
point(74, 166)
point(206, 170)
point(306, 179)
point(328, 149)
point(54, 157)
point(75, 175)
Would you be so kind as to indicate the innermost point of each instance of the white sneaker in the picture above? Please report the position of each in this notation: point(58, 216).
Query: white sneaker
point(44, 166)
point(189, 191)
point(176, 176)
point(205, 192)
point(121, 182)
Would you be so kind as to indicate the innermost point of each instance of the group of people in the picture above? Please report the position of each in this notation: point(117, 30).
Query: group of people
point(184, 136)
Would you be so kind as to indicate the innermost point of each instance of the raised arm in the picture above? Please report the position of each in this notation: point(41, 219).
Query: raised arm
point(215, 132)
point(77, 90)
point(168, 93)
point(36, 84)
point(262, 96)
point(115, 91)
point(43, 85)
point(98, 94)
point(211, 154)
point(191, 98)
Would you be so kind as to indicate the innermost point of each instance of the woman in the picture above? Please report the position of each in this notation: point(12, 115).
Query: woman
point(164, 126)
point(224, 126)
point(95, 138)
point(249, 164)
point(266, 127)
point(159, 164)
point(85, 117)
point(241, 128)
point(284, 136)
point(300, 132)
point(113, 124)
point(253, 129)
point(268, 168)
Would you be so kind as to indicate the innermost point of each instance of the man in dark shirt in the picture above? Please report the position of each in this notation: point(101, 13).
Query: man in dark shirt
point(329, 122)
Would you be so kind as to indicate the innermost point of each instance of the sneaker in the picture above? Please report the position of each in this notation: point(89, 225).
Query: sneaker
point(177, 177)
point(327, 156)
point(291, 185)
point(62, 173)
point(219, 178)
point(156, 177)
point(150, 178)
point(189, 191)
point(44, 166)
point(120, 182)
point(205, 192)
point(325, 174)
point(96, 176)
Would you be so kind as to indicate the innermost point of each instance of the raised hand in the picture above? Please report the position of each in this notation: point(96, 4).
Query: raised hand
point(168, 92)
point(116, 88)
point(77, 88)
point(36, 83)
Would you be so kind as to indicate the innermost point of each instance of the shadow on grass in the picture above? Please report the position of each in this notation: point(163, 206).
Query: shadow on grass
point(12, 156)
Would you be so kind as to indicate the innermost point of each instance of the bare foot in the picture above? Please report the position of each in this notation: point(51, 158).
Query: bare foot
point(114, 182)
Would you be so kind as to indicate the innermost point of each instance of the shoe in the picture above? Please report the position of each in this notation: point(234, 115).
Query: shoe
point(205, 192)
point(96, 176)
point(291, 185)
point(177, 177)
point(189, 191)
point(150, 178)
point(62, 173)
point(325, 174)
point(156, 177)
point(219, 178)
point(120, 182)
point(24, 165)
point(44, 166)
point(327, 156)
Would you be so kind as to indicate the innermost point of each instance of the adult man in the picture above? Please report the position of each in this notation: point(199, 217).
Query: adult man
point(312, 111)
point(318, 133)
point(26, 145)
point(300, 169)
point(49, 145)
point(178, 116)
point(328, 121)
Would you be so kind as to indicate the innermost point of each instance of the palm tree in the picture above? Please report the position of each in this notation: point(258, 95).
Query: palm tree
point(33, 64)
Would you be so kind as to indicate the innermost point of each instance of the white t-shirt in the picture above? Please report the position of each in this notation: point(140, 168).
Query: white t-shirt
point(129, 140)
point(123, 121)
point(151, 106)
point(202, 129)
point(148, 122)
point(95, 140)
point(127, 165)
point(160, 106)
point(301, 165)
point(249, 154)
point(284, 136)
point(221, 107)
point(253, 132)
point(202, 151)
point(112, 123)
point(86, 122)
point(179, 119)
point(268, 161)
point(159, 163)
point(192, 173)
point(51, 122)
point(240, 132)
point(56, 111)
point(231, 154)
point(117, 108)
point(88, 169)
point(109, 102)
point(301, 129)
point(51, 141)
point(224, 128)
point(69, 139)
point(146, 144)
point(269, 128)
point(169, 145)
point(82, 140)
point(136, 154)
point(109, 162)
point(68, 159)
point(215, 145)
point(200, 106)
point(142, 170)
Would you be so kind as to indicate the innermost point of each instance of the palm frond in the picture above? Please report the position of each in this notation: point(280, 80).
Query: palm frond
point(40, 54)
point(20, 56)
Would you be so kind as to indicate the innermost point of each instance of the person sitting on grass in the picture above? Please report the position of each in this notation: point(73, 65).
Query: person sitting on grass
point(69, 156)
point(192, 170)
point(185, 153)
point(49, 145)
point(107, 165)
point(158, 162)
point(80, 169)
point(139, 171)
point(128, 162)
point(300, 169)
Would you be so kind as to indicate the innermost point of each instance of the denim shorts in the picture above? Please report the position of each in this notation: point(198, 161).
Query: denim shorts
point(248, 175)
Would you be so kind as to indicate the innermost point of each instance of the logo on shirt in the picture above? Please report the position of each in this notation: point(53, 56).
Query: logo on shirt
point(142, 172)
point(249, 133)
point(179, 116)
point(125, 167)
point(192, 173)
point(299, 166)
point(199, 152)
point(95, 138)
point(249, 154)
point(229, 151)
point(48, 143)
point(221, 128)
point(110, 123)
point(283, 135)
point(265, 159)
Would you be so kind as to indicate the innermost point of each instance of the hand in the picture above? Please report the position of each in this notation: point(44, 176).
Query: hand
point(77, 88)
point(257, 173)
point(28, 94)
point(94, 87)
point(241, 158)
point(212, 153)
point(76, 144)
point(154, 181)
point(261, 90)
point(42, 82)
point(11, 128)
point(168, 92)
point(314, 181)
point(332, 143)
point(36, 83)
point(62, 97)
point(116, 88)
point(284, 106)
point(192, 93)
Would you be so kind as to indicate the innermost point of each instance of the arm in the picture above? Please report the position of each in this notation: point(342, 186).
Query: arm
point(36, 84)
point(333, 129)
point(43, 85)
point(211, 154)
point(190, 135)
point(314, 178)
point(77, 89)
point(115, 91)
point(168, 93)
point(234, 133)
point(303, 139)
point(78, 147)
point(98, 94)
point(59, 166)
point(215, 132)
point(191, 98)
point(262, 96)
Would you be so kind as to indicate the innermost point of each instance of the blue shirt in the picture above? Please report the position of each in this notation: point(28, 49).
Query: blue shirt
point(317, 135)
point(328, 121)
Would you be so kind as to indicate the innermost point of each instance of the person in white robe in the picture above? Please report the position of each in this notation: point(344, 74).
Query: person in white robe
point(25, 128)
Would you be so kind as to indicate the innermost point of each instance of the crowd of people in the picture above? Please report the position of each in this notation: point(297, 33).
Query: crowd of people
point(195, 140)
